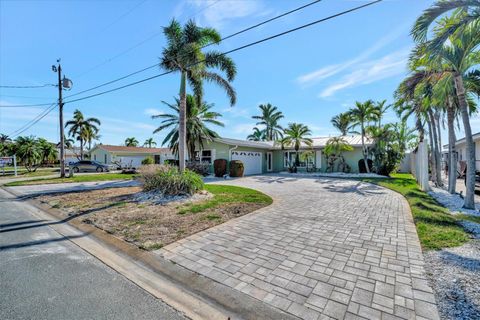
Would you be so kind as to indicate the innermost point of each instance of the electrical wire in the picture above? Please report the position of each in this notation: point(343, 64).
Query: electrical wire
point(234, 50)
point(203, 47)
point(25, 105)
point(28, 87)
point(32, 122)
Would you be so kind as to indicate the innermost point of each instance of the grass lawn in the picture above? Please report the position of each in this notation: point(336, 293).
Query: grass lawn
point(75, 178)
point(148, 225)
point(436, 227)
point(24, 173)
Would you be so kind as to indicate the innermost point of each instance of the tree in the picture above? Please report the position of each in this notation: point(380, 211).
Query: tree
point(269, 118)
point(343, 122)
point(149, 143)
point(131, 142)
point(257, 135)
point(28, 152)
point(4, 138)
point(183, 54)
point(197, 120)
point(47, 150)
point(82, 129)
point(381, 108)
point(333, 151)
point(361, 115)
point(296, 135)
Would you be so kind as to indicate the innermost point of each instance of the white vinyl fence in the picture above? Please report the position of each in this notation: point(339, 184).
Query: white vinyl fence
point(419, 165)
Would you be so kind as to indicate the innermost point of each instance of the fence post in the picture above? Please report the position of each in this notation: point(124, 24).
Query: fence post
point(15, 164)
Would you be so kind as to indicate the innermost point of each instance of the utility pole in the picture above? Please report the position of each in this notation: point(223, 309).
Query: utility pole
point(62, 83)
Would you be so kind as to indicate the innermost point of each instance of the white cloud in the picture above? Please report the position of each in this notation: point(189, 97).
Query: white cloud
point(218, 13)
point(236, 112)
point(370, 71)
point(152, 112)
point(333, 69)
point(243, 128)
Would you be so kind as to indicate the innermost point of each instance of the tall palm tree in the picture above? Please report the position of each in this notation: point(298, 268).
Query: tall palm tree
point(269, 118)
point(343, 122)
point(197, 119)
point(80, 128)
point(467, 13)
point(149, 143)
point(382, 108)
point(4, 138)
point(257, 135)
point(183, 54)
point(296, 135)
point(334, 149)
point(131, 142)
point(361, 115)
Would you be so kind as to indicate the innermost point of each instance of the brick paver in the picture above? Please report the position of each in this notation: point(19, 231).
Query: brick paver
point(324, 249)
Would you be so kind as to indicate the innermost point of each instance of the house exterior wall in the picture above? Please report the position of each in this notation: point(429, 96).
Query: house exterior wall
point(99, 155)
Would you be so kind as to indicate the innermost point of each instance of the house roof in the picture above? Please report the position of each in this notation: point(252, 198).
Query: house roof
point(124, 149)
point(475, 136)
point(318, 142)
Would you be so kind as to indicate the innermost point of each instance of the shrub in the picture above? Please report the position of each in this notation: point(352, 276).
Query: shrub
point(148, 160)
point(170, 181)
point(220, 167)
point(202, 168)
point(236, 168)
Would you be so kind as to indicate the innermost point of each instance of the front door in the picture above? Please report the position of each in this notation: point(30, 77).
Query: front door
point(269, 161)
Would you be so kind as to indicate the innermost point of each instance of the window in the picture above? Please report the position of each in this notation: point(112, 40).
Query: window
point(94, 157)
point(203, 156)
point(105, 158)
point(289, 159)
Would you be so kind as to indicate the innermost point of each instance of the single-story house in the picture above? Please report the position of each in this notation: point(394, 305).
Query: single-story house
point(266, 156)
point(128, 156)
point(461, 150)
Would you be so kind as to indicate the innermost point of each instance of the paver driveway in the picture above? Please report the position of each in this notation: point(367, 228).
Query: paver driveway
point(325, 248)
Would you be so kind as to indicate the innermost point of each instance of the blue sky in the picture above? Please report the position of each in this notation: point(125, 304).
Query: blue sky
point(310, 75)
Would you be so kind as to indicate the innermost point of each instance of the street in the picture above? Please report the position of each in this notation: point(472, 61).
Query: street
point(45, 276)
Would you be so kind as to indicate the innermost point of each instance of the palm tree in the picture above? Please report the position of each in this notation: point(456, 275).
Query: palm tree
point(197, 119)
point(382, 108)
point(184, 55)
point(269, 118)
point(466, 12)
point(333, 150)
point(28, 152)
point(131, 142)
point(4, 138)
point(82, 129)
point(343, 122)
point(361, 115)
point(257, 135)
point(47, 150)
point(405, 137)
point(149, 143)
point(296, 135)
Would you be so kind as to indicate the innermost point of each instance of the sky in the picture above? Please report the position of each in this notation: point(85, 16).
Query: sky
point(310, 75)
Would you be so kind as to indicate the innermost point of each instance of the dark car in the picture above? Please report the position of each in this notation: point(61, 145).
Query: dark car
point(88, 166)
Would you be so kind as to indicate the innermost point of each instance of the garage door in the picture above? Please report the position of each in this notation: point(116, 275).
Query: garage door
point(252, 161)
point(136, 161)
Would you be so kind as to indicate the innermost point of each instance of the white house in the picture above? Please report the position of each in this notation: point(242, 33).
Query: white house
point(461, 149)
point(127, 156)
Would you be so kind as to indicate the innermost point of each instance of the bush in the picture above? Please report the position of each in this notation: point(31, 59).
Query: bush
point(220, 167)
point(201, 168)
point(236, 168)
point(148, 160)
point(169, 181)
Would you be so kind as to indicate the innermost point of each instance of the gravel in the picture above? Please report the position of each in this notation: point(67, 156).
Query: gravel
point(157, 198)
point(452, 201)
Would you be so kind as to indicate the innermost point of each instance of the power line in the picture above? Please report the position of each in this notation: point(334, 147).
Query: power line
point(28, 87)
point(203, 47)
point(25, 105)
point(34, 121)
point(236, 49)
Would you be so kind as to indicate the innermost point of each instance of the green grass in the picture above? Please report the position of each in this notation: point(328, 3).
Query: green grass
point(436, 227)
point(225, 195)
point(25, 173)
point(76, 178)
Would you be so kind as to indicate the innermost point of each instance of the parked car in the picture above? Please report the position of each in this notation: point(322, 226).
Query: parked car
point(88, 166)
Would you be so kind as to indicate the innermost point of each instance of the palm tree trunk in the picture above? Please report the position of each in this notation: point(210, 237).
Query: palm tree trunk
point(452, 159)
point(364, 151)
point(433, 165)
point(81, 149)
point(470, 152)
point(182, 141)
point(436, 151)
point(439, 131)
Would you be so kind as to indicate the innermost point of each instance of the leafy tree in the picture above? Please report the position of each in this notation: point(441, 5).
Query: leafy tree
point(82, 129)
point(381, 108)
point(197, 120)
point(333, 151)
point(131, 142)
point(257, 135)
point(48, 151)
point(183, 54)
point(361, 115)
point(269, 118)
point(296, 135)
point(149, 143)
point(343, 122)
point(29, 152)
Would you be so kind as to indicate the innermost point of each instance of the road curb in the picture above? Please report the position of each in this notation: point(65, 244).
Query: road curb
point(197, 296)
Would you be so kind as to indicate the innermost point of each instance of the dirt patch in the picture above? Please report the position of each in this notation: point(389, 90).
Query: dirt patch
point(149, 225)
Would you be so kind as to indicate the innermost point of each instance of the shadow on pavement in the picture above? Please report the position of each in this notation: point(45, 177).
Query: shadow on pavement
point(37, 242)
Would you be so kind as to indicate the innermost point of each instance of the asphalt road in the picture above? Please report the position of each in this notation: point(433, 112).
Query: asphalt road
point(45, 276)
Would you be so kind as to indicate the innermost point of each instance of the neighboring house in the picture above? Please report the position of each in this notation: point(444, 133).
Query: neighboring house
point(461, 150)
point(266, 156)
point(127, 156)
point(71, 155)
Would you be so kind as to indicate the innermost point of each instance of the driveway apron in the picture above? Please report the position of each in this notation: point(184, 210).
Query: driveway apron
point(326, 248)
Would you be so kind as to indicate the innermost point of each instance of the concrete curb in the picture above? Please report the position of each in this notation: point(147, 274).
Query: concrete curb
point(198, 297)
